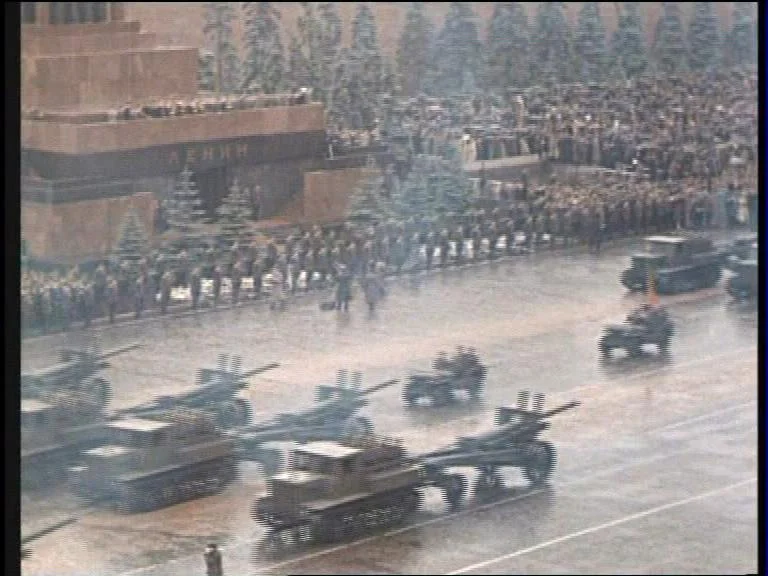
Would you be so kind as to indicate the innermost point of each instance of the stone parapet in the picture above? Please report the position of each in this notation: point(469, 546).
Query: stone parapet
point(59, 45)
point(144, 133)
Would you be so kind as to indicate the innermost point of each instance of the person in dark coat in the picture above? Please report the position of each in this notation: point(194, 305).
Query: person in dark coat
point(111, 299)
point(237, 281)
point(343, 288)
point(165, 291)
point(138, 297)
point(216, 284)
point(195, 286)
point(213, 563)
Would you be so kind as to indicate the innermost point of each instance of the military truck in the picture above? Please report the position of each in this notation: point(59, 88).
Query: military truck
point(677, 263)
point(152, 463)
point(333, 490)
point(53, 433)
point(464, 372)
point(743, 285)
point(645, 325)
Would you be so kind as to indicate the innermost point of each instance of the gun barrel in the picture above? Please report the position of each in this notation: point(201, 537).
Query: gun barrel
point(255, 371)
point(377, 387)
point(120, 350)
point(40, 533)
point(562, 408)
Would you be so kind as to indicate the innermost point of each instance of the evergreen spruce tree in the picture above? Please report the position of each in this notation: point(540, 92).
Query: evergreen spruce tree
point(206, 71)
point(263, 48)
point(306, 55)
point(220, 42)
point(298, 74)
point(670, 51)
point(507, 55)
point(234, 211)
point(132, 245)
point(741, 46)
point(554, 56)
point(590, 43)
point(365, 69)
point(183, 207)
point(368, 203)
point(628, 46)
point(456, 56)
point(326, 60)
point(704, 37)
point(436, 185)
point(388, 82)
point(340, 91)
point(413, 49)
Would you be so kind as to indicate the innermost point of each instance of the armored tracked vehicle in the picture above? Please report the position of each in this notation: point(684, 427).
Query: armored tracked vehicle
point(53, 433)
point(514, 443)
point(333, 490)
point(153, 463)
point(646, 325)
point(677, 263)
point(743, 285)
point(77, 372)
point(461, 373)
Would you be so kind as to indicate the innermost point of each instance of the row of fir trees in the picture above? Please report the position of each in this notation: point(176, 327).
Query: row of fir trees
point(517, 51)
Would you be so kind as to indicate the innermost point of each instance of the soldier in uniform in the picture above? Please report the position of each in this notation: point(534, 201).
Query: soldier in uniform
point(237, 281)
point(216, 284)
point(138, 297)
point(343, 288)
point(445, 247)
point(429, 248)
point(213, 563)
point(111, 299)
point(88, 303)
point(165, 291)
point(258, 276)
point(195, 286)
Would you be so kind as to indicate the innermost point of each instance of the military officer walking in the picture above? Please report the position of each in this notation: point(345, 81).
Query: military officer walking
point(213, 563)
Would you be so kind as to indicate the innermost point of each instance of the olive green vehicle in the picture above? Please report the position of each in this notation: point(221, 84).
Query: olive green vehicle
point(678, 264)
point(152, 463)
point(54, 432)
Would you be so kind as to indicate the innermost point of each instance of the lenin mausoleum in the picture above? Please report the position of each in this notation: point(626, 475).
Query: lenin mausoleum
point(84, 164)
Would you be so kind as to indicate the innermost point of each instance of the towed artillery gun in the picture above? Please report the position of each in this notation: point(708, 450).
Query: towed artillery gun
point(462, 372)
point(514, 443)
point(646, 325)
point(334, 417)
point(77, 371)
point(150, 463)
point(53, 433)
point(336, 489)
point(214, 394)
point(743, 285)
point(678, 263)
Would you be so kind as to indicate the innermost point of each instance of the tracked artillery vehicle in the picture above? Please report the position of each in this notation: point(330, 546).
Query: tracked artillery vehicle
point(646, 325)
point(152, 463)
point(743, 285)
point(77, 371)
point(53, 433)
point(463, 372)
point(215, 394)
point(334, 417)
point(677, 263)
point(514, 443)
point(333, 490)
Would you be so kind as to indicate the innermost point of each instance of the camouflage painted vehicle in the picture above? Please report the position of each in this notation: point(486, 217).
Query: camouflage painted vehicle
point(678, 264)
point(77, 371)
point(53, 433)
point(462, 373)
point(646, 325)
point(744, 284)
point(152, 463)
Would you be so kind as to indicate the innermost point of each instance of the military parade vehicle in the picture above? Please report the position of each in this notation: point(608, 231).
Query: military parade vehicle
point(461, 373)
point(334, 417)
point(147, 464)
point(743, 285)
point(646, 325)
point(677, 263)
point(54, 432)
point(740, 249)
point(215, 393)
point(77, 371)
point(333, 490)
point(514, 443)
